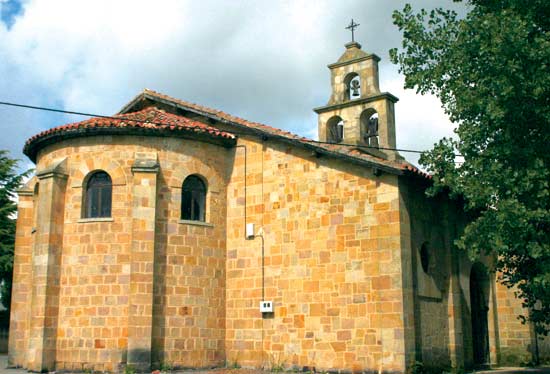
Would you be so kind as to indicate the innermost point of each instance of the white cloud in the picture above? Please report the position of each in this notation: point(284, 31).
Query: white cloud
point(259, 59)
point(420, 119)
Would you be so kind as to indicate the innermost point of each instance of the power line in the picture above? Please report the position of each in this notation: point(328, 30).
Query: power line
point(55, 110)
point(60, 110)
point(368, 146)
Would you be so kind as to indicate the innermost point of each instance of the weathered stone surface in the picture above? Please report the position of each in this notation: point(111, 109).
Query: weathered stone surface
point(337, 250)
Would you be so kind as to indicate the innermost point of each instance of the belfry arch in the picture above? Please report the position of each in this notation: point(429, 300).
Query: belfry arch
point(335, 130)
point(369, 118)
point(352, 86)
point(369, 127)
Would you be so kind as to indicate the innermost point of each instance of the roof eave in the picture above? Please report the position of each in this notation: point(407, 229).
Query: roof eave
point(32, 148)
point(258, 132)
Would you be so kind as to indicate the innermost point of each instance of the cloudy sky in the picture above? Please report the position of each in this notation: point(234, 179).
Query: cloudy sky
point(263, 60)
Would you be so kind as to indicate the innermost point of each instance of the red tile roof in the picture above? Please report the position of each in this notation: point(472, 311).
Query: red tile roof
point(134, 118)
point(348, 152)
point(150, 119)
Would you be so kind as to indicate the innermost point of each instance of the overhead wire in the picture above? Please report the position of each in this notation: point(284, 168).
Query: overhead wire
point(55, 110)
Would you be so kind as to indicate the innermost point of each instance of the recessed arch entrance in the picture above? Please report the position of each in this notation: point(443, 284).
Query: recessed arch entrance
point(479, 302)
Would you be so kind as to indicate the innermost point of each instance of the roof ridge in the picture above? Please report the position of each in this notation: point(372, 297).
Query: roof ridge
point(220, 112)
point(343, 150)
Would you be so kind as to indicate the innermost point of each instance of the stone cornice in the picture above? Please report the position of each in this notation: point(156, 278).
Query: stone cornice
point(145, 162)
point(364, 100)
point(51, 174)
point(24, 192)
point(145, 169)
point(354, 61)
point(57, 169)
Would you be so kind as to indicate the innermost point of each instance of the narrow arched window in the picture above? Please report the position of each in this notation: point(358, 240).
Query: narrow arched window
point(193, 199)
point(98, 199)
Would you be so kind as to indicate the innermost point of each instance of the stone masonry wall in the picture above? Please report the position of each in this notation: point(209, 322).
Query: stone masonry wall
point(429, 227)
point(95, 270)
point(353, 132)
point(339, 248)
point(331, 238)
point(22, 279)
point(516, 339)
point(96, 267)
point(189, 296)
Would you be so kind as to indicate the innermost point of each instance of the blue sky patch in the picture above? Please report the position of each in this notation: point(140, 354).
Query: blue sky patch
point(9, 10)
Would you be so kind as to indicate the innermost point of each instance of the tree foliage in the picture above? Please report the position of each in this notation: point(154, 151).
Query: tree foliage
point(491, 70)
point(10, 180)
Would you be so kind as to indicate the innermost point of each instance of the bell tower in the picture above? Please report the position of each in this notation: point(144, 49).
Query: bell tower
point(357, 112)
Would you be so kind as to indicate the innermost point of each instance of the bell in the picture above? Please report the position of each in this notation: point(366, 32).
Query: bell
point(372, 126)
point(340, 129)
point(355, 88)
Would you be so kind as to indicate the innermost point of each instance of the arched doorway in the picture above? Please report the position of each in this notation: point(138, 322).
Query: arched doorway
point(479, 301)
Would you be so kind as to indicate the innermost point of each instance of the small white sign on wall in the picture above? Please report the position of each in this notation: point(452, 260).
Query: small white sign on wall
point(266, 306)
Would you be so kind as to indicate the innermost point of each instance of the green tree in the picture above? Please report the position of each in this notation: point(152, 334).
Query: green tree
point(491, 70)
point(10, 180)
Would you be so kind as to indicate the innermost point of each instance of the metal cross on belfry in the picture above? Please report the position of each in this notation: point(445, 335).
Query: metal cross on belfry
point(352, 26)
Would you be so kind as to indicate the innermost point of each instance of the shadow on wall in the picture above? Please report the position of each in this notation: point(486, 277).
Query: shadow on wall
point(4, 328)
point(479, 308)
point(4, 341)
point(160, 323)
point(431, 264)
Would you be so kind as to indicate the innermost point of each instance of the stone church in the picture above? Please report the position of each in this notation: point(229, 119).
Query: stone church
point(176, 234)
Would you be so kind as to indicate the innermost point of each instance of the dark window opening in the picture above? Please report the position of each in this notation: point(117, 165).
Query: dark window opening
point(335, 129)
point(98, 196)
point(193, 199)
point(425, 257)
point(369, 128)
point(479, 302)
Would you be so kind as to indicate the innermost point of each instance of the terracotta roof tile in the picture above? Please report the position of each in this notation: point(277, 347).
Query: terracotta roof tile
point(154, 119)
point(401, 166)
point(151, 119)
point(414, 170)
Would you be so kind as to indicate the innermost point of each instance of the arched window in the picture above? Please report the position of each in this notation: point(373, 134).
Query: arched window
point(99, 189)
point(335, 130)
point(352, 84)
point(193, 199)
